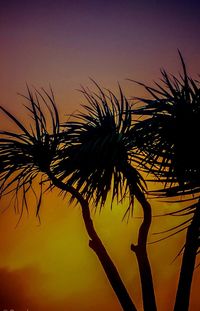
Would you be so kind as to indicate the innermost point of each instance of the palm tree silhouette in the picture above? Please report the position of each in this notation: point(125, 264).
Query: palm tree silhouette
point(168, 136)
point(35, 151)
point(99, 157)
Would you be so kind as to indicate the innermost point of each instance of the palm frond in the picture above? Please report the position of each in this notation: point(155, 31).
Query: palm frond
point(28, 151)
point(98, 145)
point(168, 133)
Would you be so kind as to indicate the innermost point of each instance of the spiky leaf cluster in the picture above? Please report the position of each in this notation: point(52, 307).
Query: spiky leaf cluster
point(98, 147)
point(169, 133)
point(25, 154)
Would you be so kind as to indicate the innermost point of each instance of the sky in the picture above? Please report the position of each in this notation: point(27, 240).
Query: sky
point(49, 266)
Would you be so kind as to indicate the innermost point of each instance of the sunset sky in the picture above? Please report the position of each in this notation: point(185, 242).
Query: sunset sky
point(49, 266)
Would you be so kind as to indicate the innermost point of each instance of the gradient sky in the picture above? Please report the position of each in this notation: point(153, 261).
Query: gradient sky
point(50, 267)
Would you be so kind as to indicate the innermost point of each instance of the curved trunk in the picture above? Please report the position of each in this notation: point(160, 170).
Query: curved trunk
point(140, 250)
point(99, 249)
point(188, 263)
point(148, 294)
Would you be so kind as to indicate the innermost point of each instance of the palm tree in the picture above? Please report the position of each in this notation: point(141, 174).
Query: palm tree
point(169, 138)
point(33, 152)
point(99, 157)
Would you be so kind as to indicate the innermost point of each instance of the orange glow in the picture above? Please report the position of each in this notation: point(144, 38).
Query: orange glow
point(52, 264)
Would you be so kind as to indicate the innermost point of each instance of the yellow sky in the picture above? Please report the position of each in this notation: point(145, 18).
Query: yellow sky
point(55, 267)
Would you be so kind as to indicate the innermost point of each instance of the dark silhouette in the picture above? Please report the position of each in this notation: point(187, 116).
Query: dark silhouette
point(168, 136)
point(35, 151)
point(99, 156)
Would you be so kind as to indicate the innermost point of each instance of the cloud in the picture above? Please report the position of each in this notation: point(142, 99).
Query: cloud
point(21, 290)
point(16, 289)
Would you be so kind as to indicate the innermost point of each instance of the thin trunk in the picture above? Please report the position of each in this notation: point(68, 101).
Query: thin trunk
point(188, 263)
point(99, 249)
point(148, 294)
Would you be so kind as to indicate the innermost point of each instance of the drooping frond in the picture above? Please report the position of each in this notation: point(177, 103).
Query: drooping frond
point(98, 146)
point(169, 133)
point(28, 150)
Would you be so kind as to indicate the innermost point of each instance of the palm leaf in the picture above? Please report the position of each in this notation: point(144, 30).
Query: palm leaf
point(25, 155)
point(97, 145)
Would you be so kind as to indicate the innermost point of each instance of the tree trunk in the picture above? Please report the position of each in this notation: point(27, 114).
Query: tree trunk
point(97, 246)
point(188, 263)
point(148, 295)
